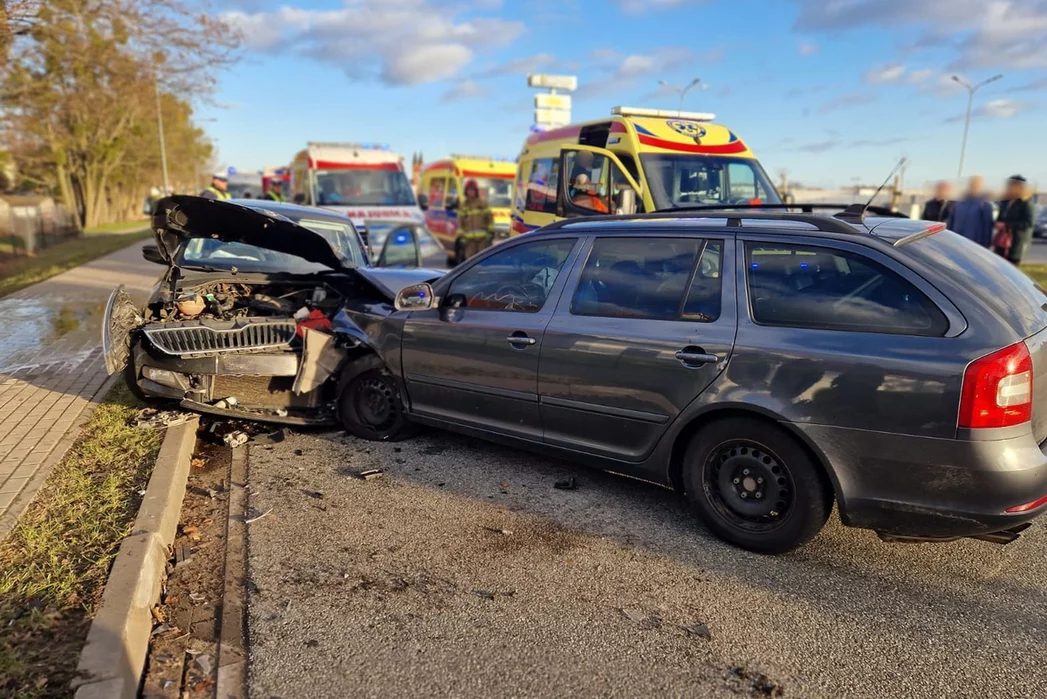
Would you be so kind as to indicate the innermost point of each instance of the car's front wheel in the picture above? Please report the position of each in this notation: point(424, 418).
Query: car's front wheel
point(755, 487)
point(370, 407)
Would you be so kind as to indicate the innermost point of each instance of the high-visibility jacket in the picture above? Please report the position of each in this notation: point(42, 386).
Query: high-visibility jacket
point(475, 220)
point(273, 195)
point(218, 194)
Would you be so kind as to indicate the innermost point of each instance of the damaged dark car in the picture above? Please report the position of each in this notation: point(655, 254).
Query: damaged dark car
point(261, 314)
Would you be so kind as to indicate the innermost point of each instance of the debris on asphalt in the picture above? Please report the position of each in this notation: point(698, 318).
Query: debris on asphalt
point(759, 684)
point(496, 530)
point(312, 643)
point(567, 484)
point(641, 618)
point(197, 463)
point(255, 519)
point(298, 452)
point(699, 629)
point(197, 597)
point(370, 474)
point(315, 494)
point(269, 438)
point(492, 596)
point(155, 419)
point(163, 628)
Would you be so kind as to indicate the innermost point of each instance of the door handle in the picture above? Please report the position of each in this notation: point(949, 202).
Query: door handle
point(695, 358)
point(520, 339)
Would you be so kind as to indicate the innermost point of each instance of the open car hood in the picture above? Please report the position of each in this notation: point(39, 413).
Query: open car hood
point(179, 218)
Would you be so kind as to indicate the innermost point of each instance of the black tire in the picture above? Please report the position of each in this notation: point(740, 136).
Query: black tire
point(755, 486)
point(370, 406)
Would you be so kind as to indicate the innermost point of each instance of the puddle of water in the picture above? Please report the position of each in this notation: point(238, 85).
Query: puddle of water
point(29, 325)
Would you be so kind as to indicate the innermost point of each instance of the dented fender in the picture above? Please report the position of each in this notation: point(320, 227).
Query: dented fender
point(375, 326)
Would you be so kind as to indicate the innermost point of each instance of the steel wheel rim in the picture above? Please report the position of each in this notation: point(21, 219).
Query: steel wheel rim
point(748, 486)
point(376, 404)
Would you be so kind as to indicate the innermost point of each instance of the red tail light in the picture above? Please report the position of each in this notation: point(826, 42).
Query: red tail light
point(997, 389)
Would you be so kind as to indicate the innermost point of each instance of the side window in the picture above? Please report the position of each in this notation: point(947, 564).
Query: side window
point(541, 186)
point(451, 197)
point(436, 192)
point(518, 278)
point(400, 250)
point(589, 181)
point(651, 278)
point(822, 288)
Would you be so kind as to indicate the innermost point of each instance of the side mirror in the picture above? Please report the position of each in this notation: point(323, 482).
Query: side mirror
point(417, 297)
point(423, 202)
point(299, 198)
point(625, 201)
point(152, 254)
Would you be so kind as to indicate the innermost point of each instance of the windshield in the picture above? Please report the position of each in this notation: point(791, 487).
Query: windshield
point(377, 187)
point(497, 191)
point(208, 252)
point(694, 180)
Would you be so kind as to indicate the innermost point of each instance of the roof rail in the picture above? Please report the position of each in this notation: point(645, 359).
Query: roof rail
point(824, 224)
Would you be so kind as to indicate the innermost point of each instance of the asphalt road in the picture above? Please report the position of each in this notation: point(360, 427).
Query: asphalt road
point(463, 572)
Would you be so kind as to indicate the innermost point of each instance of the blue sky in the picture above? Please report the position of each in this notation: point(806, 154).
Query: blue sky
point(829, 90)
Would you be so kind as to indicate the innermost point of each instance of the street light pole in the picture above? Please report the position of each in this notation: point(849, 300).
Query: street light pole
point(971, 89)
point(160, 128)
point(682, 91)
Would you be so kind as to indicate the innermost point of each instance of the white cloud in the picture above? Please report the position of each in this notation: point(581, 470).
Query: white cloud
point(918, 77)
point(984, 33)
point(402, 42)
point(994, 109)
point(467, 89)
point(525, 65)
point(808, 49)
point(632, 69)
point(890, 73)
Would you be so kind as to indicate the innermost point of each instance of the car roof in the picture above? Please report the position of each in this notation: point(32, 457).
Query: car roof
point(891, 230)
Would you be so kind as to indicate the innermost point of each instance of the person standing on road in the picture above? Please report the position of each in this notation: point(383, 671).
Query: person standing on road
point(1015, 222)
point(971, 217)
point(276, 191)
point(218, 188)
point(937, 209)
point(475, 222)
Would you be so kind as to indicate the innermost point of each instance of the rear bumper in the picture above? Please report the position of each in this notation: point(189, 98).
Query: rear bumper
point(934, 488)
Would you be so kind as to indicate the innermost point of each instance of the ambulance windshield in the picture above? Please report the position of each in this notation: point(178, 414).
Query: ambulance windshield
point(363, 187)
point(683, 180)
point(497, 191)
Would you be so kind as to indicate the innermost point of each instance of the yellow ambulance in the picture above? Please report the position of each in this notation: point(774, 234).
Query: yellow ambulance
point(443, 182)
point(638, 160)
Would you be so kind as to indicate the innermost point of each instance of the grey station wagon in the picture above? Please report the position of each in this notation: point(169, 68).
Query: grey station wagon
point(765, 364)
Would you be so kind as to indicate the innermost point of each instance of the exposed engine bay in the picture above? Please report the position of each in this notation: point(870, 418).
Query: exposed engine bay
point(231, 300)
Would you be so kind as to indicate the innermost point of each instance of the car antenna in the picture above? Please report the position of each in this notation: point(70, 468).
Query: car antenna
point(857, 211)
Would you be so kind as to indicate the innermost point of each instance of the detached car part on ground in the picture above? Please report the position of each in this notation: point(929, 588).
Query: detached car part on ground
point(766, 364)
point(250, 319)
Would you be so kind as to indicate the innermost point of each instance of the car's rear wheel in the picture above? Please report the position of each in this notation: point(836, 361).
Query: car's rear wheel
point(370, 407)
point(755, 487)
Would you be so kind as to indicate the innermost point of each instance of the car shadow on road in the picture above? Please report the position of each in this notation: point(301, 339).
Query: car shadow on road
point(952, 586)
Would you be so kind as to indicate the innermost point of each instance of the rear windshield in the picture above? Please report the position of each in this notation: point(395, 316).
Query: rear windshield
point(996, 283)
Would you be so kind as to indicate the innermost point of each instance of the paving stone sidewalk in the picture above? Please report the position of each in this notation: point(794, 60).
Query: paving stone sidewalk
point(51, 368)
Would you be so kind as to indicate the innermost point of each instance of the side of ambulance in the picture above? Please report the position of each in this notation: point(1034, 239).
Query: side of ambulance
point(442, 183)
point(638, 160)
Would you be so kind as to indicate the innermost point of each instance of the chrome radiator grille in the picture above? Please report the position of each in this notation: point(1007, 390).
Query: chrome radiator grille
point(192, 339)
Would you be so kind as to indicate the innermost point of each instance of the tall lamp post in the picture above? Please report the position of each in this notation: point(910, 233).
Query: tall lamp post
point(971, 89)
point(160, 128)
point(682, 91)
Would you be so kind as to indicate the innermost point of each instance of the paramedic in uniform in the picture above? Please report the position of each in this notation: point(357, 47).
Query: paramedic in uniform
point(475, 222)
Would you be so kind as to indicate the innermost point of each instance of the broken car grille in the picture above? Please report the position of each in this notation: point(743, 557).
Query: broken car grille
point(191, 339)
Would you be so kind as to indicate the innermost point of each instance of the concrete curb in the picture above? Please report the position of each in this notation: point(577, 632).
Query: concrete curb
point(113, 657)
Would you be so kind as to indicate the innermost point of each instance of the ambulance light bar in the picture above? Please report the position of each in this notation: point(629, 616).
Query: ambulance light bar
point(460, 156)
point(662, 113)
